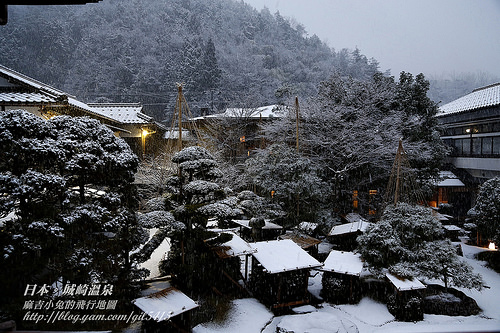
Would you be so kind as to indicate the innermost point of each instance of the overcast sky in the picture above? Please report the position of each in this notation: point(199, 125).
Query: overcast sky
point(428, 36)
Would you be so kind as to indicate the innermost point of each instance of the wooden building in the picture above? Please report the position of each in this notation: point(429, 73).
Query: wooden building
point(169, 310)
point(341, 277)
point(306, 242)
point(126, 120)
point(344, 236)
point(280, 273)
point(269, 231)
point(406, 301)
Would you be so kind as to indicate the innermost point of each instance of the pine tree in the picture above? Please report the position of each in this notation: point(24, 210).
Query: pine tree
point(486, 212)
point(69, 183)
point(408, 242)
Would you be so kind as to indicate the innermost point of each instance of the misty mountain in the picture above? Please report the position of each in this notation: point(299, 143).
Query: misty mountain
point(226, 53)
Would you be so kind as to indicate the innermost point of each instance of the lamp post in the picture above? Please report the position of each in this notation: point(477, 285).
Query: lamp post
point(144, 133)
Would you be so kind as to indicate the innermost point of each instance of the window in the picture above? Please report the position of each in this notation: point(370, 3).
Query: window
point(496, 145)
point(476, 146)
point(466, 147)
point(487, 145)
point(355, 201)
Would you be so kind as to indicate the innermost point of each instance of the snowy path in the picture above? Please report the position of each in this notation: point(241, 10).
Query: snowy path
point(156, 257)
point(249, 316)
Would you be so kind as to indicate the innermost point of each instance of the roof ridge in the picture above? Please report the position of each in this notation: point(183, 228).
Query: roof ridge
point(23, 78)
point(486, 87)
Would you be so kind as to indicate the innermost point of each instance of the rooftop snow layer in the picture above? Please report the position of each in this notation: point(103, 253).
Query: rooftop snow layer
point(165, 304)
point(126, 113)
point(13, 97)
point(268, 225)
point(233, 248)
point(269, 111)
point(404, 284)
point(448, 179)
point(282, 256)
point(479, 98)
point(343, 262)
point(349, 228)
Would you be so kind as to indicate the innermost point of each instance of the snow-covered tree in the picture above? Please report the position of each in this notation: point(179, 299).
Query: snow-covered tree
point(486, 212)
point(278, 172)
point(196, 197)
point(408, 241)
point(351, 131)
point(69, 183)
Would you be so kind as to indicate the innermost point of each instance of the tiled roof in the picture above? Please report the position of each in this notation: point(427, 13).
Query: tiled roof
point(348, 263)
point(283, 255)
point(269, 111)
point(25, 98)
point(126, 113)
point(479, 98)
point(30, 81)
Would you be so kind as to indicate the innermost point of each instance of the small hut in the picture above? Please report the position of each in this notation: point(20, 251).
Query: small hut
point(280, 273)
point(344, 235)
point(341, 277)
point(268, 231)
point(169, 309)
point(406, 302)
point(233, 249)
point(306, 242)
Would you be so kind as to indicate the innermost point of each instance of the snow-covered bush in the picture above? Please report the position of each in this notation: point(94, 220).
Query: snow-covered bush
point(408, 241)
point(70, 182)
point(486, 212)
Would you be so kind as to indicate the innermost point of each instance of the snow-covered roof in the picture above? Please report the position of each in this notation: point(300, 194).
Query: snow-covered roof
point(479, 98)
point(233, 248)
point(282, 256)
point(348, 228)
point(451, 227)
point(302, 240)
point(125, 113)
point(268, 225)
point(404, 284)
point(354, 217)
point(343, 262)
point(12, 74)
point(269, 111)
point(165, 304)
point(448, 179)
point(43, 93)
point(174, 134)
point(26, 98)
point(307, 226)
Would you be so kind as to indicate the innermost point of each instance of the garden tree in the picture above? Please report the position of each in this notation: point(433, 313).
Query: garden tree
point(69, 183)
point(408, 242)
point(486, 212)
point(351, 131)
point(195, 198)
point(281, 174)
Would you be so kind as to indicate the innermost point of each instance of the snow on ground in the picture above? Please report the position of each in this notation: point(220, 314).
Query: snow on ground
point(156, 256)
point(248, 315)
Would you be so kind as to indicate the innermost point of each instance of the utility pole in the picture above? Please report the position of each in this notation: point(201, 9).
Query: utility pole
point(297, 122)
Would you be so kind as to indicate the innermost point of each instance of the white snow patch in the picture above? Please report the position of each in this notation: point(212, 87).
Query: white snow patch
point(246, 316)
point(157, 255)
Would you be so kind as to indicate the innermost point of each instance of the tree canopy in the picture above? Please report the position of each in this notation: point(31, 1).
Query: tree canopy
point(408, 242)
point(486, 212)
point(67, 185)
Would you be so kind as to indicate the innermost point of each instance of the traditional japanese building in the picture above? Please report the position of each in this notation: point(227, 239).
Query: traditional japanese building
point(240, 127)
point(341, 277)
point(280, 273)
point(126, 120)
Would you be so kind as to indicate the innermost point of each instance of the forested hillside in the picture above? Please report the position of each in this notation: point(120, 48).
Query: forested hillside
point(225, 52)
